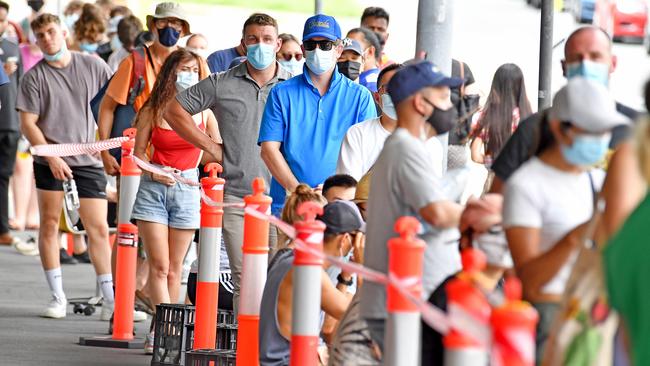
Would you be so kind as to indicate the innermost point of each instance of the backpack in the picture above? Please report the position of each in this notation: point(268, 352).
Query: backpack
point(468, 105)
point(123, 115)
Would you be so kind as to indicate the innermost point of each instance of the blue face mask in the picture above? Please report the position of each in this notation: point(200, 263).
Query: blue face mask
point(70, 19)
point(293, 66)
point(57, 56)
point(319, 62)
point(590, 70)
point(260, 55)
point(168, 36)
point(88, 47)
point(387, 107)
point(185, 79)
point(586, 150)
point(116, 44)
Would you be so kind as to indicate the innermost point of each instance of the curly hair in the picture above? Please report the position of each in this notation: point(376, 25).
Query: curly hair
point(302, 193)
point(165, 87)
point(90, 25)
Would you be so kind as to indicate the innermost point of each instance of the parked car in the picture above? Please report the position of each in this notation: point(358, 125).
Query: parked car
point(623, 20)
point(582, 10)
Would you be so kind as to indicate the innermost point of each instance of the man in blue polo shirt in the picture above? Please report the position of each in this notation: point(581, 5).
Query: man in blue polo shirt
point(306, 117)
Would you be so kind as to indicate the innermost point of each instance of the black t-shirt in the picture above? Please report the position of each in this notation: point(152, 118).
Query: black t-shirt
point(521, 144)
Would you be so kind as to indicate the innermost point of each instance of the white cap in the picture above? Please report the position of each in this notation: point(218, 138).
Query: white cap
point(588, 105)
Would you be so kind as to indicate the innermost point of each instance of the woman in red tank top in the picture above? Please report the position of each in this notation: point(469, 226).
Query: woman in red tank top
point(167, 213)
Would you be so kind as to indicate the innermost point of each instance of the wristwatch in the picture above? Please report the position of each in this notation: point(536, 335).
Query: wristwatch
point(342, 280)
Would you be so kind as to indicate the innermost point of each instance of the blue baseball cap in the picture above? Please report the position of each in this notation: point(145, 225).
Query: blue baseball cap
point(321, 25)
point(414, 77)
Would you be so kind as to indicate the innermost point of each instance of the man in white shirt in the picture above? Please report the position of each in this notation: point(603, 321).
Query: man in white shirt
point(363, 142)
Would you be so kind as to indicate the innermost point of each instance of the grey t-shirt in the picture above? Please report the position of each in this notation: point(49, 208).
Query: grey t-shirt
point(403, 181)
point(61, 98)
point(238, 103)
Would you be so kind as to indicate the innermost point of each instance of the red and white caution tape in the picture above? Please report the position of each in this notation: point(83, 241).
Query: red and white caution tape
point(73, 149)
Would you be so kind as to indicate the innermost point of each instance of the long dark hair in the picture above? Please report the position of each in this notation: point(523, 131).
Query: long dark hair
point(165, 87)
point(507, 93)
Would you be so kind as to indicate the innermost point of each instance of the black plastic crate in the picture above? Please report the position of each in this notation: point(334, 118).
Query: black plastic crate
point(207, 357)
point(169, 330)
point(226, 332)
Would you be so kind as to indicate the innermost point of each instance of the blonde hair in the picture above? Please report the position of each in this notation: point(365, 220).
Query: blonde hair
point(643, 147)
point(302, 193)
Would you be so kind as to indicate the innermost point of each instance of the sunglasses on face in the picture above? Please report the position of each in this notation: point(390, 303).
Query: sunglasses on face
point(289, 56)
point(324, 45)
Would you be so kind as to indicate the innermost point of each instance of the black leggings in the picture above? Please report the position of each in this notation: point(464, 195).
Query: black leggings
point(225, 296)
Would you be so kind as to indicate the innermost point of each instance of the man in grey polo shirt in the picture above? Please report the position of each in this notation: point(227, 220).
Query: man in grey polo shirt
point(237, 98)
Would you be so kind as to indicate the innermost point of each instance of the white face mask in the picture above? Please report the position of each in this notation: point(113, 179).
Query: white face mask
point(387, 107)
point(319, 62)
point(185, 79)
point(293, 66)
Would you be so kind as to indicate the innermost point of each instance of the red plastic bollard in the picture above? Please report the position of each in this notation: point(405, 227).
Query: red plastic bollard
point(513, 329)
point(127, 249)
point(307, 267)
point(207, 284)
point(255, 262)
point(465, 299)
point(405, 263)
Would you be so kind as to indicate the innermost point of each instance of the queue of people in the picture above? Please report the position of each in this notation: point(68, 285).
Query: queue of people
point(328, 119)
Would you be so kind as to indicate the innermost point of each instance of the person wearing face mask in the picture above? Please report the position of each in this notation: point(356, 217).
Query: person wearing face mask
point(371, 56)
point(237, 97)
point(167, 213)
point(89, 30)
point(127, 30)
point(50, 102)
point(351, 61)
point(37, 9)
point(550, 199)
point(168, 24)
point(363, 142)
point(198, 44)
point(404, 184)
point(587, 53)
point(290, 55)
point(306, 118)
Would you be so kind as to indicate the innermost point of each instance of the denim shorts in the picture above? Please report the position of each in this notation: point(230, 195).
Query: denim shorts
point(176, 206)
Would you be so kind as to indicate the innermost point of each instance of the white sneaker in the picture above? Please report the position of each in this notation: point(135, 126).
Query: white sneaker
point(107, 311)
point(148, 344)
point(29, 247)
point(56, 309)
point(139, 316)
point(109, 307)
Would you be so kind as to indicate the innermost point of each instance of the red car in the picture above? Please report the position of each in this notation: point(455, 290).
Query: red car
point(622, 19)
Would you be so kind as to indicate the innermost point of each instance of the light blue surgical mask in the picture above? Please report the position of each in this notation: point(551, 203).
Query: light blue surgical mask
point(319, 61)
point(260, 55)
point(387, 107)
point(595, 71)
point(70, 19)
point(57, 56)
point(116, 44)
point(293, 66)
point(586, 150)
point(88, 47)
point(185, 79)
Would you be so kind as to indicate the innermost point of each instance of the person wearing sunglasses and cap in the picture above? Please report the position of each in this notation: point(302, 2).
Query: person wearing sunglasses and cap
point(306, 118)
point(290, 55)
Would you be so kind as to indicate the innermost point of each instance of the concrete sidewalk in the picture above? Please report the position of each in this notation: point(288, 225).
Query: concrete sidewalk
point(27, 339)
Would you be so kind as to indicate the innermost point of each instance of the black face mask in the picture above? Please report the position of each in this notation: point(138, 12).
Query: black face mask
point(351, 69)
point(443, 120)
point(36, 5)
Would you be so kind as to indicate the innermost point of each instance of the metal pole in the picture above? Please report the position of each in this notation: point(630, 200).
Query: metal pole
point(545, 55)
point(434, 39)
point(318, 7)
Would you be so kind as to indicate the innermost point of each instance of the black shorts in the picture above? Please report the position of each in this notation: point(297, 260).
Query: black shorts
point(91, 181)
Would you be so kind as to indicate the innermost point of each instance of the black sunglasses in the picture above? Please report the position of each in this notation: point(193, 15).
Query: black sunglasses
point(324, 45)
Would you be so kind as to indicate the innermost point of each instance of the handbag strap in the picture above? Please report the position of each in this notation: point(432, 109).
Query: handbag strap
point(462, 77)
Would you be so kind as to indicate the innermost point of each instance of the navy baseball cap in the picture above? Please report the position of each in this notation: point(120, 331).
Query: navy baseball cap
point(414, 77)
point(342, 217)
point(353, 45)
point(321, 25)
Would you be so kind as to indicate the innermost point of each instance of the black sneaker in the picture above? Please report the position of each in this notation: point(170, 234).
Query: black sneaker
point(82, 258)
point(65, 258)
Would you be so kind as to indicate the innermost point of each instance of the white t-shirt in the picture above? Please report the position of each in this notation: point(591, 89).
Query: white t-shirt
point(540, 196)
point(361, 147)
point(434, 146)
